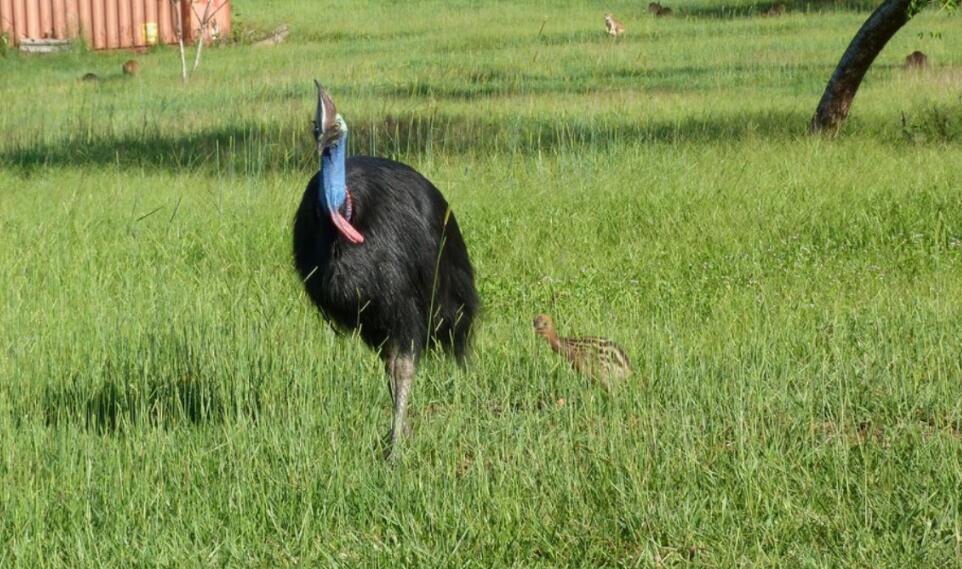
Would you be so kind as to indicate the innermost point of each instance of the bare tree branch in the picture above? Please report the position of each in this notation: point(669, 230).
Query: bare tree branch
point(203, 25)
point(201, 31)
point(175, 5)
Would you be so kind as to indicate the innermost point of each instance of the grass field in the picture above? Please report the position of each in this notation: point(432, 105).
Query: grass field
point(792, 306)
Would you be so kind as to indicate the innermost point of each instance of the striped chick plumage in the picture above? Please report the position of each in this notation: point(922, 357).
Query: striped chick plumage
point(598, 358)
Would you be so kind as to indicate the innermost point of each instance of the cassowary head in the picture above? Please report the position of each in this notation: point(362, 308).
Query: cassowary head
point(330, 133)
point(328, 125)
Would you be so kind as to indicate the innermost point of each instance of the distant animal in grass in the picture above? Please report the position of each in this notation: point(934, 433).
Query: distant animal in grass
point(916, 60)
point(598, 358)
point(277, 37)
point(90, 78)
point(655, 8)
point(776, 10)
point(131, 67)
point(613, 26)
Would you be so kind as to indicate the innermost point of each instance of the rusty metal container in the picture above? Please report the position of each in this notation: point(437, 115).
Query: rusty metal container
point(111, 24)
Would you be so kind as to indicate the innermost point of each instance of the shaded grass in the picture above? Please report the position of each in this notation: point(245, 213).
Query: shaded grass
point(163, 383)
point(752, 8)
point(256, 148)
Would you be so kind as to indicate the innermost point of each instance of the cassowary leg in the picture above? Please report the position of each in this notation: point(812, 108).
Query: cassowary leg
point(389, 359)
point(403, 380)
point(400, 369)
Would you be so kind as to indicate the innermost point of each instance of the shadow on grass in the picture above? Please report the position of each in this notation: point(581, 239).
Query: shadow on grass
point(260, 148)
point(719, 10)
point(128, 392)
point(492, 83)
point(640, 78)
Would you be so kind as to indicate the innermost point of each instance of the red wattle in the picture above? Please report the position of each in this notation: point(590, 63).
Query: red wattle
point(346, 229)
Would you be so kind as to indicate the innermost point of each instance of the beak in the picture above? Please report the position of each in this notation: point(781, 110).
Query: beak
point(326, 130)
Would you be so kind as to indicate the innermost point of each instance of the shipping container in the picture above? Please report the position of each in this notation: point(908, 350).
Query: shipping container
point(111, 24)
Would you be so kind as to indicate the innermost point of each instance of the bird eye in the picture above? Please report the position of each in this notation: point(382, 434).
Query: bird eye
point(317, 132)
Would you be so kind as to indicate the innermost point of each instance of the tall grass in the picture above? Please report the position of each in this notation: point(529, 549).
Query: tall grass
point(168, 396)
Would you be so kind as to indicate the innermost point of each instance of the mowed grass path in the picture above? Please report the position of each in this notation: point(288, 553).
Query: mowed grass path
point(793, 306)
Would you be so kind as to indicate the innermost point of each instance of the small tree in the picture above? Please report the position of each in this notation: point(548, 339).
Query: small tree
point(205, 22)
point(877, 30)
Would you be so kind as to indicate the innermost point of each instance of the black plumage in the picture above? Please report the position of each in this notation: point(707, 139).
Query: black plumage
point(409, 285)
point(384, 288)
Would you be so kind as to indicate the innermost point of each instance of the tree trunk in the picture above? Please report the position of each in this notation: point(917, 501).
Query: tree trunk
point(867, 44)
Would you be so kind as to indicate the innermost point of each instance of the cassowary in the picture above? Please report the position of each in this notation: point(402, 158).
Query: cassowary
point(380, 253)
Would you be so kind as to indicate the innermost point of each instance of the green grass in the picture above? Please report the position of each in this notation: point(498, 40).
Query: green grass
point(793, 306)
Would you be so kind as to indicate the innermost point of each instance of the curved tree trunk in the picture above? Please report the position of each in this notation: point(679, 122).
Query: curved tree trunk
point(867, 44)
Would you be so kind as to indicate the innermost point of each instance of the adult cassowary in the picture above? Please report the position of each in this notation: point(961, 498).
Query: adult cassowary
point(381, 254)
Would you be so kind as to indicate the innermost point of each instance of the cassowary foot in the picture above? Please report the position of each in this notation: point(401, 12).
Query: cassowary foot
point(390, 452)
point(392, 444)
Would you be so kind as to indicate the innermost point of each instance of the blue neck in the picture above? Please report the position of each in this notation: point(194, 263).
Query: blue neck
point(333, 192)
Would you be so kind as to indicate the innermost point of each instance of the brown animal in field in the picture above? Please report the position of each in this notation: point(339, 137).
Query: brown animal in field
point(657, 9)
point(277, 37)
point(916, 60)
point(776, 10)
point(131, 67)
point(90, 78)
point(598, 358)
point(613, 26)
